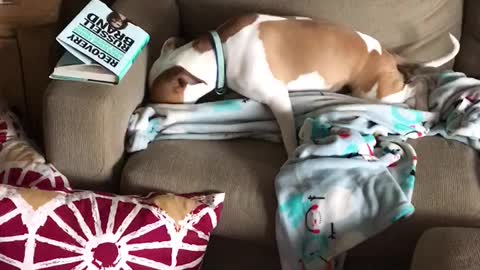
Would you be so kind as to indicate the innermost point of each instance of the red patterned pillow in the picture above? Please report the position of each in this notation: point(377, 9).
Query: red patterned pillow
point(20, 163)
point(42, 229)
point(42, 176)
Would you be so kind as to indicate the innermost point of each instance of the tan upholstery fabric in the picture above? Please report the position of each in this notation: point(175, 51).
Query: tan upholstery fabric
point(85, 125)
point(447, 192)
point(245, 170)
point(376, 263)
point(469, 57)
point(230, 254)
point(417, 29)
point(448, 249)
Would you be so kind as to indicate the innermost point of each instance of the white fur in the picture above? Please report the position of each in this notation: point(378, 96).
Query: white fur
point(439, 61)
point(193, 93)
point(446, 58)
point(372, 94)
point(400, 96)
point(372, 44)
point(198, 64)
point(308, 81)
point(252, 77)
point(302, 18)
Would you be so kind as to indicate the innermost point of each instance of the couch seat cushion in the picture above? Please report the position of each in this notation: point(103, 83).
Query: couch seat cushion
point(244, 169)
point(448, 249)
point(446, 190)
point(239, 255)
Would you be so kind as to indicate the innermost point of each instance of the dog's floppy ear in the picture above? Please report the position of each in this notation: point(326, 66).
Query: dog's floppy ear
point(186, 77)
point(171, 44)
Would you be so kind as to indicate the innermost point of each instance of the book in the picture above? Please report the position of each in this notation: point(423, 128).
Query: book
point(104, 43)
point(70, 68)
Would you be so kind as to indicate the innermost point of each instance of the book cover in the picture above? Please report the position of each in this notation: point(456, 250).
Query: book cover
point(99, 35)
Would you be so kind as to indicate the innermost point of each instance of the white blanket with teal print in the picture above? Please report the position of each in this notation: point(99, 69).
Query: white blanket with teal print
point(353, 173)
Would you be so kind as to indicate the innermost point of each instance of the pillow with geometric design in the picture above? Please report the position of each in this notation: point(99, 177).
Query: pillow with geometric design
point(42, 229)
point(20, 163)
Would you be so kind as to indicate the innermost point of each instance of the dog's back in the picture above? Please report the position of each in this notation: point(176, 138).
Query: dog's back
point(301, 53)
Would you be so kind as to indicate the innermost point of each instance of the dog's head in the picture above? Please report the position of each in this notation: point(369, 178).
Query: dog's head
point(180, 74)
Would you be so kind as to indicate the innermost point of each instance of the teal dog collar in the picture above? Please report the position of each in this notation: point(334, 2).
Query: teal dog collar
point(220, 87)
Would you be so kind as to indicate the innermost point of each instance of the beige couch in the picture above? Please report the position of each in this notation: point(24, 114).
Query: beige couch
point(85, 128)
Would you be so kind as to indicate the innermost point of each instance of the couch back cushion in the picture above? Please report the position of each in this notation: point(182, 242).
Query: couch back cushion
point(414, 28)
point(468, 60)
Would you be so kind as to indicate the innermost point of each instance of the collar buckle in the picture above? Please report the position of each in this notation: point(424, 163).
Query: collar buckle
point(221, 91)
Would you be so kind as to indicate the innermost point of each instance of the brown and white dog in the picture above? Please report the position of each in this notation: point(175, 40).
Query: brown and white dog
point(267, 56)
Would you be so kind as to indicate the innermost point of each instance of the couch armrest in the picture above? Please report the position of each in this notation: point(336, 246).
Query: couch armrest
point(85, 126)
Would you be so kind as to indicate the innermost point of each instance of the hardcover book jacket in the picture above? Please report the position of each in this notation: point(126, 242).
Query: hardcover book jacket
point(98, 34)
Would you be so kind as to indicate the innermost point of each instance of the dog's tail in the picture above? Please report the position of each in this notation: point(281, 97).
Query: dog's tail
point(437, 62)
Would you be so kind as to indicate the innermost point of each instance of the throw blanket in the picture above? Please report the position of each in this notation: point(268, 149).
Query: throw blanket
point(353, 173)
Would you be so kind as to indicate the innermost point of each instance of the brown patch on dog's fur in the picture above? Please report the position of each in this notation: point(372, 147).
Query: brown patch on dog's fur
point(336, 52)
point(225, 31)
point(169, 86)
point(233, 26)
point(381, 69)
point(202, 43)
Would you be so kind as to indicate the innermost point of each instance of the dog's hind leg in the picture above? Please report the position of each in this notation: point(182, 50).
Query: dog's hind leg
point(281, 107)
